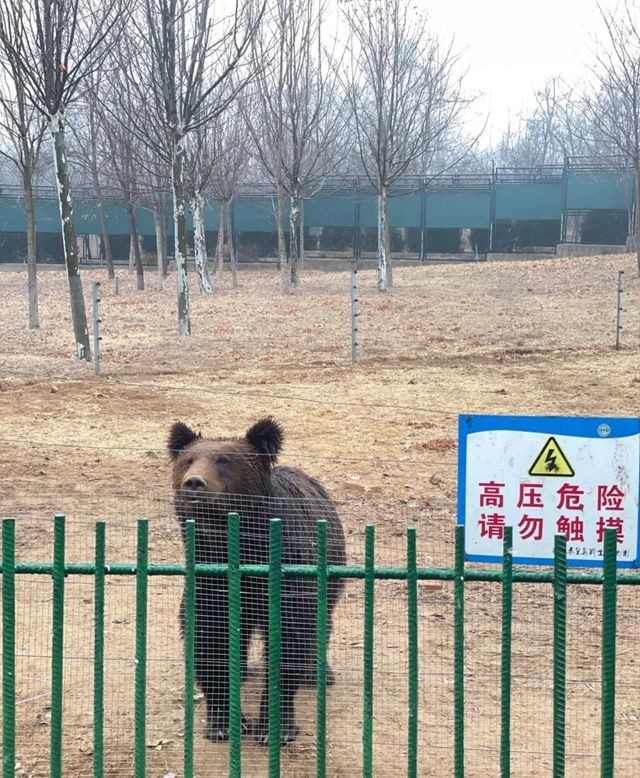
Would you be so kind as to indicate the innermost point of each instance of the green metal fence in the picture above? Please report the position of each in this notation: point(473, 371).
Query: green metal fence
point(59, 570)
point(509, 210)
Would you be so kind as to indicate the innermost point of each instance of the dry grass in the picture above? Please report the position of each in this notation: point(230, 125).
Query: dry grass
point(517, 338)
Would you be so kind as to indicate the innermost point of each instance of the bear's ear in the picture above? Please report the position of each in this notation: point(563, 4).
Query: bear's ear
point(266, 437)
point(179, 438)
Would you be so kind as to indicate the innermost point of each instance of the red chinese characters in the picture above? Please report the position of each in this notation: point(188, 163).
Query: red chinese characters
point(491, 494)
point(530, 496)
point(492, 525)
point(570, 497)
point(531, 527)
point(572, 528)
point(610, 499)
point(615, 522)
point(538, 512)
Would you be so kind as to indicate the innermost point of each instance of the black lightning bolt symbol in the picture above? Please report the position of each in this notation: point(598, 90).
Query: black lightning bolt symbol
point(550, 461)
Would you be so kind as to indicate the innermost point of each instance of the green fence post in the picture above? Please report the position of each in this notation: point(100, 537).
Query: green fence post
point(98, 653)
point(235, 670)
point(412, 626)
point(8, 649)
point(505, 672)
point(142, 563)
point(275, 643)
point(458, 656)
point(189, 638)
point(367, 714)
point(57, 647)
point(321, 688)
point(609, 596)
point(559, 653)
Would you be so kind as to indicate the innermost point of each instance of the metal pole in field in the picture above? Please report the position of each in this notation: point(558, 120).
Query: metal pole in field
point(354, 315)
point(619, 308)
point(95, 293)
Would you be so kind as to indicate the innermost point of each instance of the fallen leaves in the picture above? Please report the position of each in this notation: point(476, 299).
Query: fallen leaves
point(438, 444)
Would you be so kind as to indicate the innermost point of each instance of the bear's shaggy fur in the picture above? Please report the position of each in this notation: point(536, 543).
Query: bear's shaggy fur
point(215, 477)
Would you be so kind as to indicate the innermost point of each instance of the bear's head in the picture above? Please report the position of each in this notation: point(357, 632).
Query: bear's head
point(204, 467)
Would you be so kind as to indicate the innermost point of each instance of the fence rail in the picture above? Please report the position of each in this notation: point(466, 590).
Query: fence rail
point(560, 578)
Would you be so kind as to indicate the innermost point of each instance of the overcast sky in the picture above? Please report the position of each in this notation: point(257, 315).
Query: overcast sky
point(511, 47)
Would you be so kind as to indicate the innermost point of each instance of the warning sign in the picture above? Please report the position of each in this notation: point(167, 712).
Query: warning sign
point(551, 461)
point(503, 482)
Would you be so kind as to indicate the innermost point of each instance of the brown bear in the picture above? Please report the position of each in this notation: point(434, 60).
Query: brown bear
point(213, 477)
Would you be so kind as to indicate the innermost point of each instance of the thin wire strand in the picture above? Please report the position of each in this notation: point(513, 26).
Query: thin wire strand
point(9, 443)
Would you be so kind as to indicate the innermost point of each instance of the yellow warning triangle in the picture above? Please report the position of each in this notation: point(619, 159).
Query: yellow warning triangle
point(551, 461)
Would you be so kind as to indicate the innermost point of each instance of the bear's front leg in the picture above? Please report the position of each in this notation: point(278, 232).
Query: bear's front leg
point(217, 699)
point(211, 654)
point(213, 678)
point(289, 730)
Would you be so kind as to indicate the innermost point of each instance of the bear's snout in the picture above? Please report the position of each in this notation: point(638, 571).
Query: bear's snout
point(195, 483)
point(198, 480)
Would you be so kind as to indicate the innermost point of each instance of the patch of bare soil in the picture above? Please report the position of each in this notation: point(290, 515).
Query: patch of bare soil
point(505, 338)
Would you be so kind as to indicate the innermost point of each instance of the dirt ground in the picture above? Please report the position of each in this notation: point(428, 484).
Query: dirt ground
point(531, 338)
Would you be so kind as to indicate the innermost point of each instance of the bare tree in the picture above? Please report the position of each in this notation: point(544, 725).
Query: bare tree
point(298, 117)
point(124, 107)
point(200, 160)
point(193, 53)
point(25, 129)
point(121, 110)
point(404, 95)
point(555, 128)
point(157, 183)
point(614, 108)
point(230, 152)
point(124, 155)
point(52, 45)
point(92, 145)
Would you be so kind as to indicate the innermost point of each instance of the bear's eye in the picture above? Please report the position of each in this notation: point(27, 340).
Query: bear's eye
point(223, 461)
point(189, 461)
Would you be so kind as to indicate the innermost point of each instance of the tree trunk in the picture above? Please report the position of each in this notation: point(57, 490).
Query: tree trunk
point(294, 218)
point(135, 246)
point(160, 244)
point(283, 262)
point(76, 298)
point(106, 242)
point(637, 214)
point(233, 260)
point(301, 241)
point(200, 244)
point(165, 242)
point(180, 230)
point(219, 260)
point(32, 278)
point(384, 254)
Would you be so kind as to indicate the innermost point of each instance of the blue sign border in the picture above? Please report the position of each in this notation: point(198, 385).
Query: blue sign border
point(577, 426)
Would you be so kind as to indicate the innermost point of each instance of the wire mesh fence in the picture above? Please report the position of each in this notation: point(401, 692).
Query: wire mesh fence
point(348, 700)
point(165, 681)
point(527, 309)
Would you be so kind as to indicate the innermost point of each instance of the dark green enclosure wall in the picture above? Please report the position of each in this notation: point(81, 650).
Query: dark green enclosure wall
point(458, 209)
point(498, 214)
point(599, 191)
point(529, 202)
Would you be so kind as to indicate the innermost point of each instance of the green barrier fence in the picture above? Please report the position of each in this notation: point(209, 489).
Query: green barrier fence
point(59, 571)
point(509, 210)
